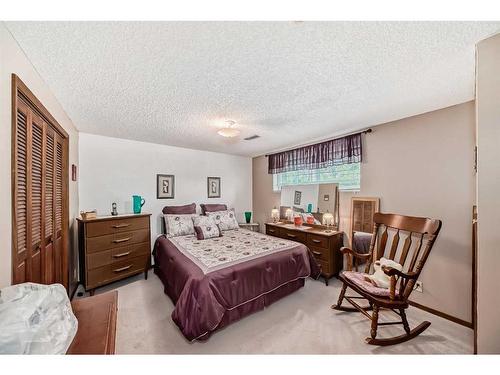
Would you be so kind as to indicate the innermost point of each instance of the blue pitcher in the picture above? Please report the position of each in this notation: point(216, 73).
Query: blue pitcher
point(138, 202)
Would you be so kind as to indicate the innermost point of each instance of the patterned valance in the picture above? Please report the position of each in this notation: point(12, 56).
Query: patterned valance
point(338, 151)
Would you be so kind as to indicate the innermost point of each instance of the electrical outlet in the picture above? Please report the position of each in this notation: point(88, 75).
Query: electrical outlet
point(419, 286)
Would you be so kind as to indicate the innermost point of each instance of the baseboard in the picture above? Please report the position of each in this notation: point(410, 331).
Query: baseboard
point(441, 314)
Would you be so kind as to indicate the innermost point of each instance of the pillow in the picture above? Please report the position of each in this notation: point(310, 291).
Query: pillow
point(178, 225)
point(199, 221)
point(212, 208)
point(204, 232)
point(226, 220)
point(180, 210)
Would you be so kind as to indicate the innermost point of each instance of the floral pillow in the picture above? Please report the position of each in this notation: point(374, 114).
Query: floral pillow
point(203, 221)
point(204, 232)
point(226, 220)
point(178, 225)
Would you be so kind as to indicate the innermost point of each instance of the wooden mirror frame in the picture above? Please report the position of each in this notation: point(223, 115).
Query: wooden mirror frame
point(376, 208)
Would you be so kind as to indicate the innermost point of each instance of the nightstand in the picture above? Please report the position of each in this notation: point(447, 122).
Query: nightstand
point(250, 226)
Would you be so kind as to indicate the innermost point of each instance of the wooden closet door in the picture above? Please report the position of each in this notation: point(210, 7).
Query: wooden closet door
point(59, 256)
point(21, 227)
point(40, 192)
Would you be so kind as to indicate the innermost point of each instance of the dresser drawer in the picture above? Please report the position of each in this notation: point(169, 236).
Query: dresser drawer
point(326, 267)
point(273, 231)
point(101, 228)
point(102, 258)
point(317, 240)
point(116, 271)
point(293, 235)
point(320, 253)
point(112, 241)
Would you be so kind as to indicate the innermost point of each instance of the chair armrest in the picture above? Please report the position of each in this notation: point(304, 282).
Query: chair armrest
point(351, 254)
point(347, 250)
point(389, 271)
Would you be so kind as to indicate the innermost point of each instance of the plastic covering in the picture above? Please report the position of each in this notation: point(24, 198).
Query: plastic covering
point(36, 319)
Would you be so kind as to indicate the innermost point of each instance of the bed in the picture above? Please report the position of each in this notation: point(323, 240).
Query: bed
point(217, 281)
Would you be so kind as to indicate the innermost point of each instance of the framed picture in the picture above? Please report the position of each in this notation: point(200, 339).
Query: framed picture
point(326, 197)
point(213, 187)
point(165, 186)
point(297, 197)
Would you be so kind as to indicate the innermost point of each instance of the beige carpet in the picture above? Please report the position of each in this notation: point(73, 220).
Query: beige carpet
point(301, 323)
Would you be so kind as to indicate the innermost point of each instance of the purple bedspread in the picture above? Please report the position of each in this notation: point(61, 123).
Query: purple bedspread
point(203, 301)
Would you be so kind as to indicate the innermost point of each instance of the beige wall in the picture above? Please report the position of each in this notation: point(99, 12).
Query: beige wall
point(421, 166)
point(488, 191)
point(13, 60)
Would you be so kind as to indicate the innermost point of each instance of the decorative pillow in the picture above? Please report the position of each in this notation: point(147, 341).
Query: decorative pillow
point(180, 210)
point(178, 225)
point(226, 220)
point(204, 232)
point(212, 208)
point(199, 221)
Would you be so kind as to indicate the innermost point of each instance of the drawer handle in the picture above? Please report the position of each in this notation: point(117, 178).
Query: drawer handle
point(316, 241)
point(291, 235)
point(122, 269)
point(121, 225)
point(122, 240)
point(121, 255)
point(316, 253)
point(272, 230)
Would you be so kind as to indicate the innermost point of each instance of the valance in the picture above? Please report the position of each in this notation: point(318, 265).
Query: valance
point(338, 151)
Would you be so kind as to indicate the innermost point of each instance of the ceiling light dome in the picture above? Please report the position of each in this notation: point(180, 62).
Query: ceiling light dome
point(229, 131)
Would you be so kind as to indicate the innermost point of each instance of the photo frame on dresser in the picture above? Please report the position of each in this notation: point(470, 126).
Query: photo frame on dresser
point(213, 187)
point(165, 186)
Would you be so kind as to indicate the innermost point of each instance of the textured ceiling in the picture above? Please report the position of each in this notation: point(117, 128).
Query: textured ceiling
point(289, 82)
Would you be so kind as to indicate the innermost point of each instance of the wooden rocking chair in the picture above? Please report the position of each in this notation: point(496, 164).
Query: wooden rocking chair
point(417, 233)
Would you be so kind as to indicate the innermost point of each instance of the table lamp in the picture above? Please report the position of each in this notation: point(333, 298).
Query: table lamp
point(328, 220)
point(275, 215)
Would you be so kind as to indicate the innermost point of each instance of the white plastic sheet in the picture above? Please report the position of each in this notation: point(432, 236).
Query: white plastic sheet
point(36, 319)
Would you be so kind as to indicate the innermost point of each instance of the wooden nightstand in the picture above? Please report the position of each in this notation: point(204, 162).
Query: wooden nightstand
point(251, 226)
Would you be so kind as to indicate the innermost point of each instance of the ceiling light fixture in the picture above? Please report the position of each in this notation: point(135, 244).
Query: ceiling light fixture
point(229, 131)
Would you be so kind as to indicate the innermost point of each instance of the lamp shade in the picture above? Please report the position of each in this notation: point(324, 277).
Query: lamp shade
point(328, 218)
point(275, 214)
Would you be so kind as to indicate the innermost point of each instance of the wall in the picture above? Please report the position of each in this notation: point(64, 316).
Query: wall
point(421, 166)
point(112, 170)
point(13, 60)
point(488, 189)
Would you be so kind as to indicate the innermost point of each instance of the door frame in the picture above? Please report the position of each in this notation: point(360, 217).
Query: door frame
point(20, 89)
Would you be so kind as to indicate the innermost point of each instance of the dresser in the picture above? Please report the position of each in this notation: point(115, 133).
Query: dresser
point(325, 245)
point(112, 248)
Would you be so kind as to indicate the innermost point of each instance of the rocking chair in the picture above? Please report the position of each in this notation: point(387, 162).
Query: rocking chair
point(416, 231)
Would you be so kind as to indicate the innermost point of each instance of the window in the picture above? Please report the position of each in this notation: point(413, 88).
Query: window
point(346, 175)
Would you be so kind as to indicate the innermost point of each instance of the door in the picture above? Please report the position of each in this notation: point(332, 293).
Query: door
point(39, 176)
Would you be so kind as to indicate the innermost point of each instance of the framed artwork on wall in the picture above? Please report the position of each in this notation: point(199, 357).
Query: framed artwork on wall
point(213, 187)
point(165, 186)
point(297, 197)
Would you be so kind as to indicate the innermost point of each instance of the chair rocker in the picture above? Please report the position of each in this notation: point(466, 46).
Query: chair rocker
point(418, 233)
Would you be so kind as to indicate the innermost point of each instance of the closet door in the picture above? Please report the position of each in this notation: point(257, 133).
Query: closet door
point(39, 185)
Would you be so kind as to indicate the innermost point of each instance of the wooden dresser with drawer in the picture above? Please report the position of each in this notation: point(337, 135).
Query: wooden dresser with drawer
point(112, 248)
point(325, 245)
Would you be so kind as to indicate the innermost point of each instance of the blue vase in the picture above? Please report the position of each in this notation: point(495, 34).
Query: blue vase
point(138, 202)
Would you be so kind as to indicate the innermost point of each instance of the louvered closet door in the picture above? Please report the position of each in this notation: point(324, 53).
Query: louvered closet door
point(39, 206)
point(59, 257)
point(22, 265)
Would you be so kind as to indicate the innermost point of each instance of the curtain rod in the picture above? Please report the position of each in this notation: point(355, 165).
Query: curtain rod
point(366, 131)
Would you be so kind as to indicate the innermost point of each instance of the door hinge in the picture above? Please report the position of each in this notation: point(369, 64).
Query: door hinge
point(475, 159)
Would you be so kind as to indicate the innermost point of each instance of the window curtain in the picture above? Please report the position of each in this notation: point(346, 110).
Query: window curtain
point(338, 151)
